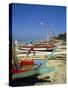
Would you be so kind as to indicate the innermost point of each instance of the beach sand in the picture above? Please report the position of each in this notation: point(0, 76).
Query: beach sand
point(58, 76)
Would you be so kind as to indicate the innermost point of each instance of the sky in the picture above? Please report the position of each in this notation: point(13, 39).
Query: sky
point(32, 22)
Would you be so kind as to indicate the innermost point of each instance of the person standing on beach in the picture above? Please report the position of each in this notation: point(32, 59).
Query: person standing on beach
point(31, 49)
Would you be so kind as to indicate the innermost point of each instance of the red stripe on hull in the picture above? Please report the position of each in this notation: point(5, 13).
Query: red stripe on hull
point(14, 71)
point(24, 63)
point(40, 46)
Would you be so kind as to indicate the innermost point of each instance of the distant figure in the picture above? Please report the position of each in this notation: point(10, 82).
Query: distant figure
point(31, 49)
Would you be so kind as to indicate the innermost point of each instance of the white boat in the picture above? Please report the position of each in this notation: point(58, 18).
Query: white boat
point(37, 47)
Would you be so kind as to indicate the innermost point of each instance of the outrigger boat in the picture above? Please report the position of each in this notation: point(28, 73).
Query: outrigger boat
point(41, 46)
point(26, 68)
point(29, 67)
point(38, 47)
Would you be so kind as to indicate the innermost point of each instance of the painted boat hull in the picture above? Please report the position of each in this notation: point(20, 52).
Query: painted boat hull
point(37, 49)
point(45, 47)
point(36, 69)
point(26, 72)
point(26, 62)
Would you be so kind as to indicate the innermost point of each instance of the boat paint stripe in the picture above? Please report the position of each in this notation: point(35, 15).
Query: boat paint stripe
point(24, 74)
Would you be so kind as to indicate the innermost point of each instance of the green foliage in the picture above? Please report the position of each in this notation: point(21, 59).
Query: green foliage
point(62, 36)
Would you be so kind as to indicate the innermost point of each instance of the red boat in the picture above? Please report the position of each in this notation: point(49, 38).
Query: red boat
point(38, 47)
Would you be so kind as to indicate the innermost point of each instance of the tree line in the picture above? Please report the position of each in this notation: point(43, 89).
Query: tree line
point(61, 36)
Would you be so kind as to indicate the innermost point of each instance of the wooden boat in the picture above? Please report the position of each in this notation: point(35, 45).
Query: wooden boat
point(33, 69)
point(22, 73)
point(19, 72)
point(38, 47)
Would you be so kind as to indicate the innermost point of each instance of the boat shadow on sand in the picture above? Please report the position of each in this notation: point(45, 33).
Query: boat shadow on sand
point(28, 81)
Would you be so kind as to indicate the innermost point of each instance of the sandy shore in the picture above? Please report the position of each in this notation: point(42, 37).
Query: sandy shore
point(58, 62)
point(58, 76)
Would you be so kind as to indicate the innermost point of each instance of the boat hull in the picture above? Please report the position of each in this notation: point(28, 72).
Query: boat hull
point(37, 49)
point(24, 74)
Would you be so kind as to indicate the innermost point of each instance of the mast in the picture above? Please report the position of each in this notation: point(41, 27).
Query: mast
point(50, 37)
point(46, 27)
